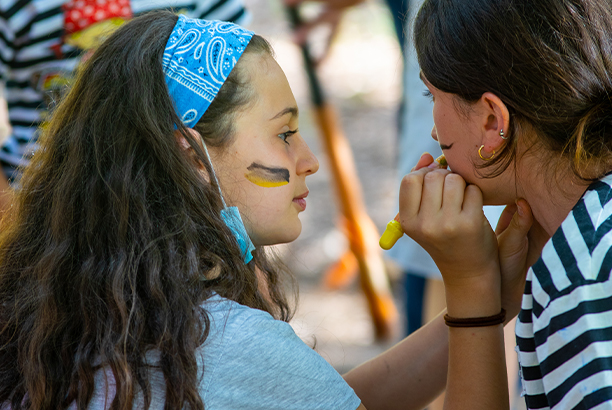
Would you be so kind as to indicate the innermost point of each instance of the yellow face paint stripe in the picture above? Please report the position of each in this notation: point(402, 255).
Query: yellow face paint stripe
point(267, 177)
point(263, 182)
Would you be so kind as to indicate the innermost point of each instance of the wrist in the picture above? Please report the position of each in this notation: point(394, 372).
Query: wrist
point(479, 297)
point(485, 321)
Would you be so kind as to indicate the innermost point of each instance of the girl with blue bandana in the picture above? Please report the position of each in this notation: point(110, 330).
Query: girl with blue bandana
point(132, 273)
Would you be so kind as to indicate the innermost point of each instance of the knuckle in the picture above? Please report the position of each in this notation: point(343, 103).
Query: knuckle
point(454, 178)
point(432, 176)
point(411, 179)
point(428, 231)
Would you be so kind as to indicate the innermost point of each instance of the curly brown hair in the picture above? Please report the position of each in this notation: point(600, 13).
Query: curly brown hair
point(105, 253)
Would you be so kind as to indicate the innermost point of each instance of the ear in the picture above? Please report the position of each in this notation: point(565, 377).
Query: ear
point(180, 138)
point(495, 119)
point(186, 147)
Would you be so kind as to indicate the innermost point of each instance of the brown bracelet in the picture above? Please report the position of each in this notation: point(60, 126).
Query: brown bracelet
point(476, 321)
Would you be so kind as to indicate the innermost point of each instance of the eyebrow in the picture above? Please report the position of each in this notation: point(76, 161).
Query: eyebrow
point(289, 110)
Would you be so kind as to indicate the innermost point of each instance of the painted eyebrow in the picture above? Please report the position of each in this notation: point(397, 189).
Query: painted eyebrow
point(289, 110)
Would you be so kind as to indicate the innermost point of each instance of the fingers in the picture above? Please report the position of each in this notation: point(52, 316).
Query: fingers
point(433, 191)
point(411, 192)
point(505, 218)
point(516, 232)
point(427, 191)
point(454, 192)
point(425, 160)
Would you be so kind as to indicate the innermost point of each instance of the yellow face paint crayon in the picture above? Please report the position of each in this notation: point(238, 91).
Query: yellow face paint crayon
point(394, 230)
point(442, 161)
point(391, 234)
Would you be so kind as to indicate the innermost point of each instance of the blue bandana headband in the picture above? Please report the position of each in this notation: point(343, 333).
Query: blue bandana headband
point(199, 56)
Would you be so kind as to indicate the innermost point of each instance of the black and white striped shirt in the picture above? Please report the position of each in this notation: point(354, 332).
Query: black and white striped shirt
point(564, 330)
point(29, 31)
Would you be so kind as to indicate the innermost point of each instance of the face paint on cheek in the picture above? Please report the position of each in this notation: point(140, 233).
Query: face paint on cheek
point(267, 177)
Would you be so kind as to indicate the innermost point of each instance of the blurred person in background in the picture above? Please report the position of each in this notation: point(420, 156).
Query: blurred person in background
point(41, 45)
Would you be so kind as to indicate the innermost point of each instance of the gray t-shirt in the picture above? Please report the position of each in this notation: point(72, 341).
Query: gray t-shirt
point(251, 361)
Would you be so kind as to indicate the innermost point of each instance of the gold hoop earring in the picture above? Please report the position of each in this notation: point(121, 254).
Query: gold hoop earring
point(483, 158)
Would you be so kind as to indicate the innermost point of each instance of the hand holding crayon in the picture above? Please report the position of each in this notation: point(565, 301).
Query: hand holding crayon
point(394, 230)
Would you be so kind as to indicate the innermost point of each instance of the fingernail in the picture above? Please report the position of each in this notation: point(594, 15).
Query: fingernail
point(519, 209)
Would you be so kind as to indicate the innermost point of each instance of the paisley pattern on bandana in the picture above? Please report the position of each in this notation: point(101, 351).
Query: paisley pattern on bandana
point(199, 56)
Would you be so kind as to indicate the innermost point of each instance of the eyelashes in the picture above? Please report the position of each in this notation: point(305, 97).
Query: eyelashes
point(428, 94)
point(285, 135)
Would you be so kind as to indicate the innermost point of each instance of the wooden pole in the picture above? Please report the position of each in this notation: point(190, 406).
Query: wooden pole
point(360, 229)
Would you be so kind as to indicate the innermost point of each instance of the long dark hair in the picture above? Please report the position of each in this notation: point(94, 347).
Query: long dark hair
point(550, 61)
point(111, 244)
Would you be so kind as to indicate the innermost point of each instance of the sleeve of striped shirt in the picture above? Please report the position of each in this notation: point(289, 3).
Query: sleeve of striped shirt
point(572, 308)
point(7, 38)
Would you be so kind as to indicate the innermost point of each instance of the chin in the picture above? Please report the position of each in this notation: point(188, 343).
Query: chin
point(280, 236)
point(291, 235)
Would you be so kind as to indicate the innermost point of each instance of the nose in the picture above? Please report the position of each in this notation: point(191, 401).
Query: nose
point(434, 133)
point(307, 162)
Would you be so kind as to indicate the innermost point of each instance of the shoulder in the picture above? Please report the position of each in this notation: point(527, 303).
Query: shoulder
point(253, 361)
point(579, 253)
point(562, 331)
point(243, 331)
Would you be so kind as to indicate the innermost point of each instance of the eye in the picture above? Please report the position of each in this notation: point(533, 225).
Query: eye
point(428, 94)
point(285, 135)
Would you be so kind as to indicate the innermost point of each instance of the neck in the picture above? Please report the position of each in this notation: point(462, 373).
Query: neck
point(550, 197)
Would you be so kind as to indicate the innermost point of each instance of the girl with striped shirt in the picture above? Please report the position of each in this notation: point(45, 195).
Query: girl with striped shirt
point(522, 106)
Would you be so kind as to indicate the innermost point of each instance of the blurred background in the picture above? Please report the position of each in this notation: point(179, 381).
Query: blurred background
point(361, 76)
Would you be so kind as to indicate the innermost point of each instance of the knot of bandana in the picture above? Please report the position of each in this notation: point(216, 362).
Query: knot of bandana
point(199, 56)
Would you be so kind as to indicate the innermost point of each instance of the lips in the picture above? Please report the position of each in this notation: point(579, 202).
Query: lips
point(300, 200)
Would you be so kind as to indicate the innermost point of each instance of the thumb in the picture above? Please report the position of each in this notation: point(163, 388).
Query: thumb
point(505, 218)
point(425, 160)
point(514, 237)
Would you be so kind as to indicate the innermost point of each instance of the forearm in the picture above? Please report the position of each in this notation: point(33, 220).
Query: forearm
point(477, 378)
point(408, 376)
point(477, 369)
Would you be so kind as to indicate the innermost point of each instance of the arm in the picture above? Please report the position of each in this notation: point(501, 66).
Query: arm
point(444, 215)
point(414, 372)
point(407, 376)
point(331, 13)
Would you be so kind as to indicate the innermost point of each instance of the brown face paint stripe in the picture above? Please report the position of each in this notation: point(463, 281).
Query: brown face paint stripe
point(267, 177)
